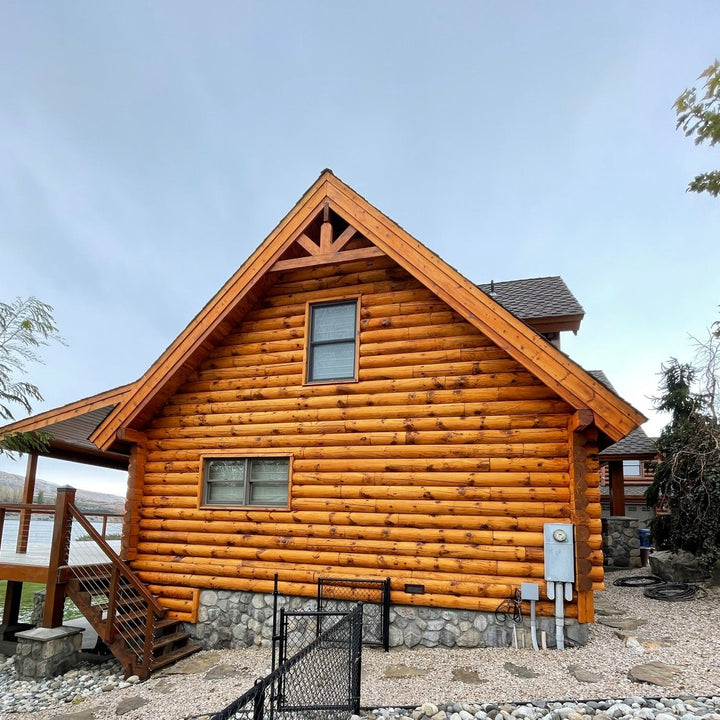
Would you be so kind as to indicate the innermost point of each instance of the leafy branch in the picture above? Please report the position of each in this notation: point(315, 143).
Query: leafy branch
point(698, 115)
point(25, 326)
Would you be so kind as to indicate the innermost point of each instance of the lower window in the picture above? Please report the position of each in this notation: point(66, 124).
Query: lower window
point(246, 481)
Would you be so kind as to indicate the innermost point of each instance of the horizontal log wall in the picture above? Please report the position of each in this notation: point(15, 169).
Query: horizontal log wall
point(438, 467)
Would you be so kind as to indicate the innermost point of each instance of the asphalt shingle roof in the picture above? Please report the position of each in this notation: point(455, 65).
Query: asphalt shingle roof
point(636, 445)
point(535, 297)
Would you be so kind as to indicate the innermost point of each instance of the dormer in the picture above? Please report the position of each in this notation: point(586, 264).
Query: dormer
point(545, 304)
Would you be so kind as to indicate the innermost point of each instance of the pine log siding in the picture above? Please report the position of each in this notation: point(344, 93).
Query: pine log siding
point(438, 467)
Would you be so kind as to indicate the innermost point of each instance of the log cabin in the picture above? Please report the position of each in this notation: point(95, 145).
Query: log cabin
point(348, 405)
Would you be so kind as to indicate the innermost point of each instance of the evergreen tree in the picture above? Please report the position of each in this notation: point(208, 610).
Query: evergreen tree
point(687, 477)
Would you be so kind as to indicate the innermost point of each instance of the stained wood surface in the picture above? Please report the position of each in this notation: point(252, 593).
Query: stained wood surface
point(439, 466)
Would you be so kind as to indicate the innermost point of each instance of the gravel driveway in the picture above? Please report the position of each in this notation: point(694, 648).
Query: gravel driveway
point(682, 638)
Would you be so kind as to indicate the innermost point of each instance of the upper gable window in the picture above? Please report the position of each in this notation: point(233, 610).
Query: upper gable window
point(332, 341)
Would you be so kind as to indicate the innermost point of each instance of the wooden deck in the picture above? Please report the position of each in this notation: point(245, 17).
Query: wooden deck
point(32, 565)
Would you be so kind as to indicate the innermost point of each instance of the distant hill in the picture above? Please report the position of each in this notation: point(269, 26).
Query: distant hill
point(11, 487)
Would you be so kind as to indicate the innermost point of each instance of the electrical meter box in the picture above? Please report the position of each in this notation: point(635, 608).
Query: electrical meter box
point(559, 552)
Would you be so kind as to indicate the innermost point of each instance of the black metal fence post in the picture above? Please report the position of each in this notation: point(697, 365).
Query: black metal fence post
point(259, 702)
point(274, 622)
point(386, 616)
point(356, 658)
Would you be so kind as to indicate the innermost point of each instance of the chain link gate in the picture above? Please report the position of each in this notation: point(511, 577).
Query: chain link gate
point(340, 594)
point(321, 681)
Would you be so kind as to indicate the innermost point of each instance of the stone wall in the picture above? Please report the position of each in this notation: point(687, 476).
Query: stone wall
point(38, 609)
point(621, 541)
point(47, 652)
point(228, 619)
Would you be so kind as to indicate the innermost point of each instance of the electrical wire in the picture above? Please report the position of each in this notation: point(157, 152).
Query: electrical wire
point(510, 609)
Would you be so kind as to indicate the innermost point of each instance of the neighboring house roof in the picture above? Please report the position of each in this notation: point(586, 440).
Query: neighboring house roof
point(546, 303)
point(71, 425)
point(634, 446)
point(289, 247)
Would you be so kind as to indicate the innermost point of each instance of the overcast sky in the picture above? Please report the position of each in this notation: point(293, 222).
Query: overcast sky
point(147, 148)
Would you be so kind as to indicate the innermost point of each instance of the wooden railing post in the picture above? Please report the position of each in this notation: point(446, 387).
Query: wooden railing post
point(59, 552)
point(27, 498)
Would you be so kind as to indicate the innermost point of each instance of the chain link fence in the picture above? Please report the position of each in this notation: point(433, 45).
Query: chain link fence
point(320, 682)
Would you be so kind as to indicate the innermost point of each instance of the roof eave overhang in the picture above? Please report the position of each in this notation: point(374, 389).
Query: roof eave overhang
point(555, 323)
point(606, 457)
point(65, 412)
point(112, 459)
point(63, 450)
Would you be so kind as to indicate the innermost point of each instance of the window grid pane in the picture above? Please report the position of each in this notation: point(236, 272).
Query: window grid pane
point(333, 322)
point(247, 481)
point(268, 494)
point(333, 329)
point(225, 492)
point(333, 361)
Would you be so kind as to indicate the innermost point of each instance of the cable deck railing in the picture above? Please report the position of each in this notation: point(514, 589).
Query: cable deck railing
point(79, 562)
point(26, 532)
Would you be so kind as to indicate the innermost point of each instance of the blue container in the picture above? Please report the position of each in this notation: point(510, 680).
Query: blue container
point(645, 540)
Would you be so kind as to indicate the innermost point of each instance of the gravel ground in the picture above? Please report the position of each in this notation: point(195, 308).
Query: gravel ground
point(685, 635)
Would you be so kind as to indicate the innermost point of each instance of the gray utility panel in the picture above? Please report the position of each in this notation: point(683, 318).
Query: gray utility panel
point(559, 552)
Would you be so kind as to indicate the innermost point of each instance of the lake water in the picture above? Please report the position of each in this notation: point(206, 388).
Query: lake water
point(41, 530)
point(40, 540)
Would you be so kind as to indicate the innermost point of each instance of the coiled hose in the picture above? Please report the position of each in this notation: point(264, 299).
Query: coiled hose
point(638, 581)
point(675, 592)
point(658, 589)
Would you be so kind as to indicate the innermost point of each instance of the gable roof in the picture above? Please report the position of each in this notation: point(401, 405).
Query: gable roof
point(71, 426)
point(546, 303)
point(288, 246)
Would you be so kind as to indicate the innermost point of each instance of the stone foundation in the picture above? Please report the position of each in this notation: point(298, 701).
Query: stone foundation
point(38, 609)
point(47, 652)
point(621, 542)
point(228, 619)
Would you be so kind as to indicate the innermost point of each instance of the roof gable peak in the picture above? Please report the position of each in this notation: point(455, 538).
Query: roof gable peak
point(332, 223)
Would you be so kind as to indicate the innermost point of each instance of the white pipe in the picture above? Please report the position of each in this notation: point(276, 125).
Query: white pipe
point(533, 628)
point(559, 616)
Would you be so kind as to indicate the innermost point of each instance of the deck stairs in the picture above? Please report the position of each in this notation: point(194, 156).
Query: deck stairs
point(136, 630)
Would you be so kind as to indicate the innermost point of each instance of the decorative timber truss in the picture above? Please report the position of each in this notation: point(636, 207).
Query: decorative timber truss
point(327, 242)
